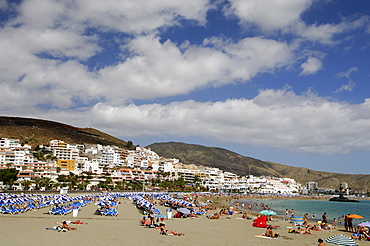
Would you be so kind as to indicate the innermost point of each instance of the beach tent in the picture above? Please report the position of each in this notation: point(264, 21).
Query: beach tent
point(260, 222)
point(297, 220)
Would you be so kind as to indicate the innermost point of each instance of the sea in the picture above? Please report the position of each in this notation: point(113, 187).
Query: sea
point(319, 207)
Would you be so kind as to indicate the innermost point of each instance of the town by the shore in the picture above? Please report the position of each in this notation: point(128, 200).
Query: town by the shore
point(34, 228)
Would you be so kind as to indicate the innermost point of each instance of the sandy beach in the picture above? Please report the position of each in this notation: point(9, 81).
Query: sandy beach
point(30, 229)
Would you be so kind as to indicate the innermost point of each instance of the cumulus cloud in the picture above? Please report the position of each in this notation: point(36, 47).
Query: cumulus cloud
point(311, 66)
point(285, 16)
point(278, 118)
point(131, 16)
point(158, 70)
point(268, 14)
point(151, 69)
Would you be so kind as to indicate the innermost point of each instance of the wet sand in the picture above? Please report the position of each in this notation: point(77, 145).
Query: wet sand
point(29, 229)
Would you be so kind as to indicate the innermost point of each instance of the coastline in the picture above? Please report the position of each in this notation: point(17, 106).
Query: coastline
point(29, 229)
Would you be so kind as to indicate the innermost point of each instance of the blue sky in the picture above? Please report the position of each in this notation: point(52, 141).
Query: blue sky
point(278, 80)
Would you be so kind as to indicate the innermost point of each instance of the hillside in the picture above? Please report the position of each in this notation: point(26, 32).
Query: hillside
point(241, 165)
point(35, 132)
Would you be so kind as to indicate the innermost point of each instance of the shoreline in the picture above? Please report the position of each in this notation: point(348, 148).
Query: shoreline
point(29, 229)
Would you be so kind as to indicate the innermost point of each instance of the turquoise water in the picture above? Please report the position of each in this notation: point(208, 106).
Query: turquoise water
point(332, 209)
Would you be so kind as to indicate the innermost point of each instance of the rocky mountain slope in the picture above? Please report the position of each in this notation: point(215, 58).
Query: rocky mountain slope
point(229, 161)
point(35, 132)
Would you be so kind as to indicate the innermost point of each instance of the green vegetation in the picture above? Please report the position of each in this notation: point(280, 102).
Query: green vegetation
point(8, 176)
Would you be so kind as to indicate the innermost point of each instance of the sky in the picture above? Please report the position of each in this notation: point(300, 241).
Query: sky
point(277, 80)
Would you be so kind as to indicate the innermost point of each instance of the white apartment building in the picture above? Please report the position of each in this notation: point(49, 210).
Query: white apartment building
point(62, 153)
point(9, 143)
point(311, 185)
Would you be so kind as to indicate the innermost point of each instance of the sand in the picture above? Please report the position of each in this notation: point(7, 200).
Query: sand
point(29, 229)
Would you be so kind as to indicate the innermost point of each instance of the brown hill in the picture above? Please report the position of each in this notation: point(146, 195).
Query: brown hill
point(241, 165)
point(35, 132)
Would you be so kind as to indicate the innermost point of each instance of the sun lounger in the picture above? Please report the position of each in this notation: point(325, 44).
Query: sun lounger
point(111, 212)
point(9, 210)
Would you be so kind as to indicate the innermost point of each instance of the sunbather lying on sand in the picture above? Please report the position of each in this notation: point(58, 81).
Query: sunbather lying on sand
point(66, 227)
point(215, 216)
point(165, 231)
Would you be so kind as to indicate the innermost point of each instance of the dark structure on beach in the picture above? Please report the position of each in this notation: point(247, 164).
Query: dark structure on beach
point(341, 198)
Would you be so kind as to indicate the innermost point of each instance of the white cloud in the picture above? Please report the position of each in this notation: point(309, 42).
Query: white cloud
point(350, 84)
point(326, 33)
point(285, 16)
point(3, 5)
point(269, 14)
point(131, 16)
point(277, 118)
point(311, 66)
point(158, 70)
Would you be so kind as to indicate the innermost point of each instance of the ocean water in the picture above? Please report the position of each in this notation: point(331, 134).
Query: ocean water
point(332, 209)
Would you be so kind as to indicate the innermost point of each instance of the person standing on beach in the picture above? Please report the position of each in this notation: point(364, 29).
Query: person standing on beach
point(350, 226)
point(305, 218)
point(324, 218)
point(313, 216)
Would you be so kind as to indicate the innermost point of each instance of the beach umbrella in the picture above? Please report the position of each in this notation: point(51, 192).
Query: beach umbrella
point(268, 212)
point(184, 210)
point(341, 240)
point(355, 216)
point(366, 224)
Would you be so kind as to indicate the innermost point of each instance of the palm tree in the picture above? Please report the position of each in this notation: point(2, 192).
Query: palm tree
point(85, 183)
point(26, 184)
point(121, 185)
point(72, 179)
point(38, 182)
point(46, 182)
